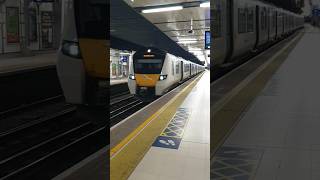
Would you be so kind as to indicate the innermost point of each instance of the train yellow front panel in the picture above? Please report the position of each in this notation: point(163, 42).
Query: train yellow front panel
point(95, 54)
point(147, 80)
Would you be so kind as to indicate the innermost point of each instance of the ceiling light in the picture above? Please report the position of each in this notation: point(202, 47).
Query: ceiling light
point(187, 39)
point(154, 10)
point(205, 4)
point(194, 49)
point(187, 42)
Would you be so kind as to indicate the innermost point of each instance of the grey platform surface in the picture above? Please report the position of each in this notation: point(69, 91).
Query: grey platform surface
point(278, 137)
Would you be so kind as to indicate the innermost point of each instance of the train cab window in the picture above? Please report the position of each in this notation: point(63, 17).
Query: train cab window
point(91, 18)
point(250, 20)
point(148, 66)
point(242, 21)
point(216, 23)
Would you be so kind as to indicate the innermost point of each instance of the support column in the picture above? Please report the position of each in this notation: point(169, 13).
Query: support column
point(25, 44)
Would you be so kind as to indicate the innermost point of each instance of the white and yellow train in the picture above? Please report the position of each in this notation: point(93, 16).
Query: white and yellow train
point(153, 72)
point(82, 59)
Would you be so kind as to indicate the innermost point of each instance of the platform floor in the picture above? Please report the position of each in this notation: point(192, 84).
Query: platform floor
point(278, 136)
point(15, 62)
point(191, 159)
point(118, 81)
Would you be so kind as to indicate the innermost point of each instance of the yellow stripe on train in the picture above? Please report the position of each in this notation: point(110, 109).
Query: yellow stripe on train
point(95, 57)
point(147, 80)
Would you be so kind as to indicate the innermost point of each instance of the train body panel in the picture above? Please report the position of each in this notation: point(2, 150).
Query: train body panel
point(241, 26)
point(221, 30)
point(272, 23)
point(262, 24)
point(244, 27)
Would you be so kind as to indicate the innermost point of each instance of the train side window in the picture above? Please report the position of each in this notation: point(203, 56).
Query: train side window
point(242, 20)
point(274, 19)
point(250, 20)
point(216, 22)
point(177, 68)
point(262, 20)
point(172, 68)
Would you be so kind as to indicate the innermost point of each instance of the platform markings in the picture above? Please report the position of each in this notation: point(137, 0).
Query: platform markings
point(231, 162)
point(172, 135)
point(119, 147)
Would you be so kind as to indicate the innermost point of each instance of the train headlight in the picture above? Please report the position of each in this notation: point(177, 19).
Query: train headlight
point(163, 77)
point(71, 48)
point(132, 77)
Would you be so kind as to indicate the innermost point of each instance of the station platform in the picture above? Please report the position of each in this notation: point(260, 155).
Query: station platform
point(15, 62)
point(182, 150)
point(114, 81)
point(276, 137)
point(171, 139)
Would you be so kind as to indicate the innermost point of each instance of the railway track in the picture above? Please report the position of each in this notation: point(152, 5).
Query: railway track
point(124, 107)
point(36, 104)
point(37, 145)
point(28, 86)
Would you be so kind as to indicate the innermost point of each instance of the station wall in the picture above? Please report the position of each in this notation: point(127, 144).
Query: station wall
point(119, 63)
point(12, 26)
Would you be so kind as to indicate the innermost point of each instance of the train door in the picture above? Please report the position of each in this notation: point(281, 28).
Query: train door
point(182, 70)
point(228, 28)
point(190, 70)
point(268, 22)
point(257, 26)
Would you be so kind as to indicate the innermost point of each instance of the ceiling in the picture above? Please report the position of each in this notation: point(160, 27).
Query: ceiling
point(177, 24)
point(129, 28)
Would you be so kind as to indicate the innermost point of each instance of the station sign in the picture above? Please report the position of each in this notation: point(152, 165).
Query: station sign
point(207, 40)
point(124, 59)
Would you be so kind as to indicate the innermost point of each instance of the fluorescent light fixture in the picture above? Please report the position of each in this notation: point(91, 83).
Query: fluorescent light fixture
point(194, 49)
point(154, 10)
point(205, 4)
point(187, 42)
point(124, 53)
point(187, 39)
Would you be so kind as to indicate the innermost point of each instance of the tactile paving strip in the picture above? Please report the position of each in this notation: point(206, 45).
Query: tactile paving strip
point(235, 163)
point(172, 135)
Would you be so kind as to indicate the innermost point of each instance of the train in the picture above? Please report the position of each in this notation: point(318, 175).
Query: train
point(83, 55)
point(153, 72)
point(241, 27)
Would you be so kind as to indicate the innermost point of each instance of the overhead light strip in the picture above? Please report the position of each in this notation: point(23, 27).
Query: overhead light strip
point(164, 9)
point(205, 4)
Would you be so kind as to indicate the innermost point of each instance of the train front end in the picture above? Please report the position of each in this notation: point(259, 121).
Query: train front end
point(82, 58)
point(146, 74)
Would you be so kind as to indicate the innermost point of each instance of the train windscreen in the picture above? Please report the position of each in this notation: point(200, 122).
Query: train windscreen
point(148, 66)
point(91, 18)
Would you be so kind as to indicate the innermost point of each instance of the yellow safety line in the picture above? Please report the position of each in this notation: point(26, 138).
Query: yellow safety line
point(115, 150)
